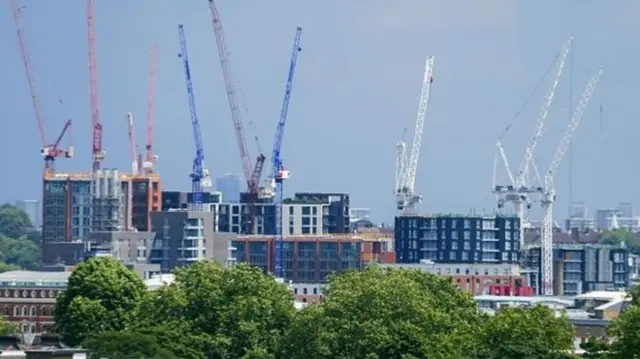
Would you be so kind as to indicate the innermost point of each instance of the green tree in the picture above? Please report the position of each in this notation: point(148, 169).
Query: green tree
point(14, 223)
point(127, 344)
point(20, 252)
point(525, 333)
point(232, 313)
point(102, 295)
point(386, 314)
point(621, 235)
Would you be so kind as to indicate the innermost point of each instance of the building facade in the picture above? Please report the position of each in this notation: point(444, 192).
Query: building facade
point(306, 258)
point(32, 208)
point(305, 213)
point(74, 204)
point(184, 237)
point(181, 199)
point(580, 268)
point(457, 239)
point(28, 298)
point(229, 186)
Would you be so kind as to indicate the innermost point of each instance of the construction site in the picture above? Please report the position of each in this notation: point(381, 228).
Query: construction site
point(305, 237)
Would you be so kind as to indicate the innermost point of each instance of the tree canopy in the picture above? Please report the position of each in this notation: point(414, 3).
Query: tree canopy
point(621, 235)
point(19, 241)
point(227, 313)
point(101, 295)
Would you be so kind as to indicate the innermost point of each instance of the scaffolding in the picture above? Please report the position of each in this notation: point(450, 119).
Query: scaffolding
point(108, 201)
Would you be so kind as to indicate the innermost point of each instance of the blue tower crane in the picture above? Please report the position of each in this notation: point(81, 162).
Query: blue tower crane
point(279, 174)
point(198, 173)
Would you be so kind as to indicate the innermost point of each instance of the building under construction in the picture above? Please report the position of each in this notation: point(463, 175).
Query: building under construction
point(75, 204)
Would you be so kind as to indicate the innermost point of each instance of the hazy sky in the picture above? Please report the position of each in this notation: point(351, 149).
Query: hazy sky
point(356, 89)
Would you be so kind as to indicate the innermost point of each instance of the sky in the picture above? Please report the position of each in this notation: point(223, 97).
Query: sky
point(356, 89)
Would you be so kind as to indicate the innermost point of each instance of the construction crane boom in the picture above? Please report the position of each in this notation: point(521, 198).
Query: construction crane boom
point(26, 61)
point(542, 115)
point(199, 174)
point(150, 159)
point(231, 90)
point(405, 198)
point(278, 172)
point(549, 193)
point(132, 144)
point(251, 176)
point(97, 152)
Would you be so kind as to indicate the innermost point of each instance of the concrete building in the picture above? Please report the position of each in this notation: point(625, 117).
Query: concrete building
point(305, 213)
point(132, 249)
point(32, 208)
point(580, 268)
point(444, 238)
point(229, 186)
point(74, 204)
point(306, 259)
point(183, 237)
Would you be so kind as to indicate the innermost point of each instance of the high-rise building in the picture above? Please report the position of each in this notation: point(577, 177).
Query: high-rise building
point(74, 204)
point(457, 239)
point(305, 213)
point(229, 186)
point(625, 209)
point(31, 208)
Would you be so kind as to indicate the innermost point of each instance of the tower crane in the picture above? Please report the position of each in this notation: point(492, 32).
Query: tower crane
point(97, 152)
point(252, 177)
point(406, 199)
point(199, 176)
point(49, 151)
point(150, 157)
point(279, 174)
point(520, 188)
point(135, 156)
point(549, 193)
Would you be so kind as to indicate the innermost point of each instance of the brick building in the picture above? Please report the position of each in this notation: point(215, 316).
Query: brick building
point(28, 298)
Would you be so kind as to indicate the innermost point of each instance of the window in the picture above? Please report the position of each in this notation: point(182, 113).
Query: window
point(452, 255)
point(314, 210)
point(454, 245)
point(467, 224)
point(291, 210)
point(467, 235)
point(454, 235)
point(467, 246)
point(465, 256)
point(507, 246)
point(306, 210)
point(505, 256)
point(454, 224)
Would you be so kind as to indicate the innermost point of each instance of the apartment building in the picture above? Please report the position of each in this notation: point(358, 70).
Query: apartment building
point(445, 238)
point(580, 268)
point(183, 237)
point(306, 258)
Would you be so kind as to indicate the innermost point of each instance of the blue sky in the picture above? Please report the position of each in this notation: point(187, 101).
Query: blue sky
point(356, 89)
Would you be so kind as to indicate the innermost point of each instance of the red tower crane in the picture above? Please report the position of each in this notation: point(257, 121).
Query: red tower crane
point(97, 152)
point(150, 157)
point(49, 151)
point(252, 177)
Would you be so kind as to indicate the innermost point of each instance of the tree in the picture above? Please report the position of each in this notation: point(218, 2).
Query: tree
point(525, 333)
point(102, 295)
point(237, 312)
point(14, 223)
point(127, 344)
point(20, 252)
point(386, 314)
point(621, 235)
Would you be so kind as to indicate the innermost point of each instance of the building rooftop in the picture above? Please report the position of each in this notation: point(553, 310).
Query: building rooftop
point(602, 295)
point(304, 237)
point(22, 278)
point(158, 281)
point(533, 300)
point(462, 215)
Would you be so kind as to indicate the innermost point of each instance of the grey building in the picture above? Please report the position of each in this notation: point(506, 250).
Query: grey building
point(444, 238)
point(183, 237)
point(181, 199)
point(130, 248)
point(229, 186)
point(305, 213)
point(580, 268)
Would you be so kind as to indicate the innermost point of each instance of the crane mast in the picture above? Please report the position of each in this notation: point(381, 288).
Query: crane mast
point(199, 175)
point(406, 170)
point(520, 188)
point(278, 172)
point(549, 193)
point(132, 144)
point(251, 176)
point(150, 158)
point(97, 152)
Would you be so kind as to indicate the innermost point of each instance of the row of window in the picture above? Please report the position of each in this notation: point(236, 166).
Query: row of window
point(28, 311)
point(28, 293)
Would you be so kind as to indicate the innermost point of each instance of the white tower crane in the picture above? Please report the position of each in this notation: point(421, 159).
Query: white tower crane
point(406, 169)
point(549, 192)
point(520, 187)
